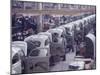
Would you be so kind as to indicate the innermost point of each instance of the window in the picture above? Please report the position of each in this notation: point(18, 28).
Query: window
point(37, 43)
point(15, 58)
point(64, 6)
point(17, 4)
point(34, 52)
point(55, 35)
point(21, 53)
point(33, 44)
point(47, 42)
point(50, 6)
point(30, 5)
point(62, 35)
point(67, 30)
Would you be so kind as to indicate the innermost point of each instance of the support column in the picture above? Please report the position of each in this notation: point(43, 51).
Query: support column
point(41, 25)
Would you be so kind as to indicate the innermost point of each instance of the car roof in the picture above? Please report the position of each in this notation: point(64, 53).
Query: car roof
point(69, 25)
point(55, 30)
point(78, 22)
point(37, 37)
point(47, 33)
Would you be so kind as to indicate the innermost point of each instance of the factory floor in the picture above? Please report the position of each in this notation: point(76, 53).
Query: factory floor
point(63, 65)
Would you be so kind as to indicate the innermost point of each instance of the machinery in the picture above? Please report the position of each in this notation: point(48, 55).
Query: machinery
point(76, 65)
point(38, 54)
point(88, 59)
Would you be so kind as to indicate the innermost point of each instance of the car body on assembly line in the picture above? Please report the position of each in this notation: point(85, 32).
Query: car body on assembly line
point(17, 55)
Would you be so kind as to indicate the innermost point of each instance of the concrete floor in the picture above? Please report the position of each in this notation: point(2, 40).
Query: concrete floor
point(63, 65)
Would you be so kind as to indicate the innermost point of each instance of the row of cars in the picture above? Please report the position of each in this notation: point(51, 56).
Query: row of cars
point(38, 52)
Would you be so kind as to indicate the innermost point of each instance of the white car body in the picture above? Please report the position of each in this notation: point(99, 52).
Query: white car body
point(22, 45)
point(59, 31)
point(93, 39)
point(61, 43)
point(77, 23)
point(16, 66)
point(64, 30)
point(42, 39)
point(89, 18)
point(47, 34)
point(70, 26)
